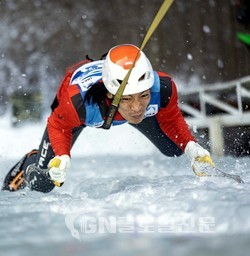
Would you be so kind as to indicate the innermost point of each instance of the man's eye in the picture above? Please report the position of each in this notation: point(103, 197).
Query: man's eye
point(125, 99)
point(145, 95)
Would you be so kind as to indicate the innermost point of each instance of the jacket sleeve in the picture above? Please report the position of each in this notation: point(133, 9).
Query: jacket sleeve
point(172, 122)
point(61, 122)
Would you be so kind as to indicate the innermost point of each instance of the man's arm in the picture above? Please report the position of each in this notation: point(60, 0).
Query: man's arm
point(172, 121)
point(174, 125)
point(61, 122)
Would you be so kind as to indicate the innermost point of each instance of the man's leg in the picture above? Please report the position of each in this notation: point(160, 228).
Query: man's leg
point(14, 179)
point(21, 175)
point(37, 180)
point(151, 129)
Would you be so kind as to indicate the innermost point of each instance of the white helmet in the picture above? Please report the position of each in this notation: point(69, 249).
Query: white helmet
point(117, 64)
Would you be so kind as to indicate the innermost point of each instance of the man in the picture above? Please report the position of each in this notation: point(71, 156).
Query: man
point(148, 103)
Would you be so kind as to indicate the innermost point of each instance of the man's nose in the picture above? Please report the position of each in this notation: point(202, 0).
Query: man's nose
point(136, 106)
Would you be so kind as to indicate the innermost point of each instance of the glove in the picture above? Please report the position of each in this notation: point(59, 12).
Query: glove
point(201, 162)
point(58, 167)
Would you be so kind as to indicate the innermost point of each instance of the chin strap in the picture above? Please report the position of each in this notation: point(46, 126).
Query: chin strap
point(117, 98)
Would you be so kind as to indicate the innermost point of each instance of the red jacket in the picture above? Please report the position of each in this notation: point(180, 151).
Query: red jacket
point(65, 117)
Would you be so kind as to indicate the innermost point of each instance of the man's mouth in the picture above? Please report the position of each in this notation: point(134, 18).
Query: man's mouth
point(137, 116)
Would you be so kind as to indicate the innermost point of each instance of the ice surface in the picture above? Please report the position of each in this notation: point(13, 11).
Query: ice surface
point(122, 197)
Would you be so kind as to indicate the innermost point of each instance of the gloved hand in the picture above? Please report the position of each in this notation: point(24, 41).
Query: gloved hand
point(58, 167)
point(201, 161)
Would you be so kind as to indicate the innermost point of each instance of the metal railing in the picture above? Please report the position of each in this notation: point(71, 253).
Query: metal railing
point(217, 105)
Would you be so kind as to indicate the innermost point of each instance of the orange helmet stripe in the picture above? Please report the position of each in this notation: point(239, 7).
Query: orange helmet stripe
point(124, 55)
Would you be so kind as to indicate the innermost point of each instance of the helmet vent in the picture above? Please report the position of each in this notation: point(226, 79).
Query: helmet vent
point(142, 77)
point(145, 76)
point(116, 83)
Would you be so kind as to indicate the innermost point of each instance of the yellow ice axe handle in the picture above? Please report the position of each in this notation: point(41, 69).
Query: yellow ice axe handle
point(55, 163)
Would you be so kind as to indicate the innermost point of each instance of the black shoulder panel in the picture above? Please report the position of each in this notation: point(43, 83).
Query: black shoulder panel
point(166, 90)
point(79, 106)
point(54, 104)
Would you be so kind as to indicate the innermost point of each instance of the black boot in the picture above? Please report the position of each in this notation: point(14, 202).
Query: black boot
point(26, 174)
point(15, 179)
point(38, 179)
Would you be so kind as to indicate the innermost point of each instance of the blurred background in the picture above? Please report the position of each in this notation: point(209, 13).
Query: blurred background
point(197, 43)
